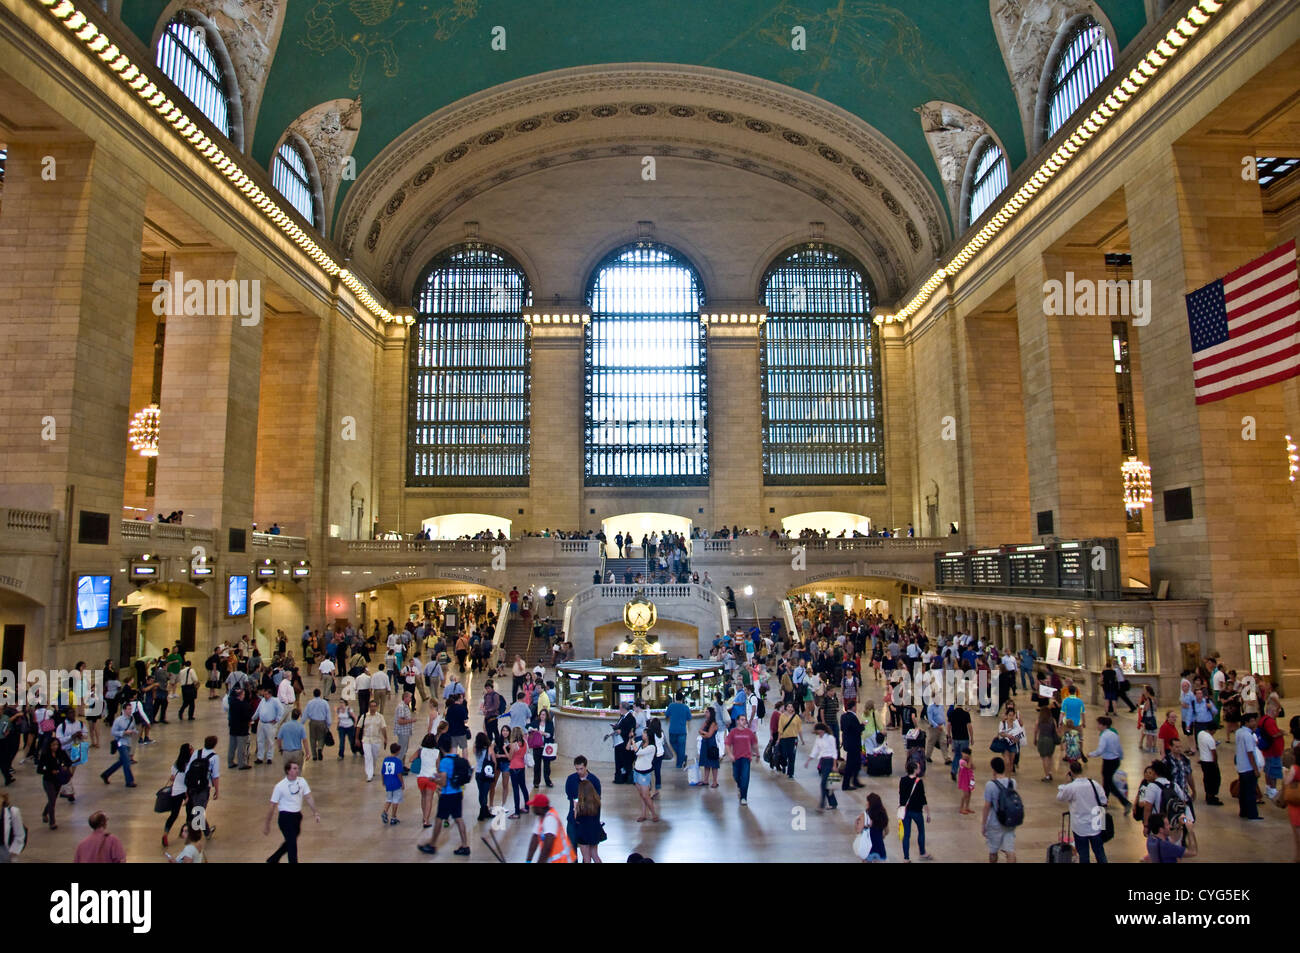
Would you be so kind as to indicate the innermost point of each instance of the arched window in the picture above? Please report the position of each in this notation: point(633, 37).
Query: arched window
point(185, 55)
point(470, 359)
point(986, 178)
point(1084, 59)
point(822, 417)
point(293, 178)
point(647, 382)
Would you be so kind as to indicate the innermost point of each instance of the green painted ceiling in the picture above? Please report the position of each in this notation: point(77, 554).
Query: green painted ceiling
point(409, 58)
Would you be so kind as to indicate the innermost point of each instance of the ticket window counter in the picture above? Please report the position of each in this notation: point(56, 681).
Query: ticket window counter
point(1127, 645)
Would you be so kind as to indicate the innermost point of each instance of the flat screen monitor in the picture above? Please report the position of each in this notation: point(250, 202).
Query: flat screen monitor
point(92, 602)
point(237, 596)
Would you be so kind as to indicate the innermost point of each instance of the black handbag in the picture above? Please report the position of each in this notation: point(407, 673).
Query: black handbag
point(329, 738)
point(162, 801)
point(1108, 831)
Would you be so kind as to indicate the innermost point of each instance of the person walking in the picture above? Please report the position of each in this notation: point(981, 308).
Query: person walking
point(1207, 751)
point(188, 679)
point(55, 768)
point(741, 745)
point(451, 800)
point(873, 820)
point(286, 800)
point(1250, 765)
point(583, 826)
point(267, 716)
point(915, 810)
point(549, 841)
point(518, 751)
point(824, 752)
point(124, 732)
point(710, 755)
point(317, 715)
point(239, 720)
point(1087, 804)
point(851, 737)
point(643, 754)
point(789, 726)
point(177, 790)
point(1046, 738)
point(202, 778)
point(403, 724)
point(347, 723)
point(541, 729)
point(999, 830)
point(1111, 753)
point(374, 737)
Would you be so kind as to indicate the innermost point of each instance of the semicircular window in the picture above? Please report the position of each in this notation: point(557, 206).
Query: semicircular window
point(184, 55)
point(468, 416)
point(988, 179)
point(289, 174)
point(647, 377)
point(1086, 57)
point(820, 353)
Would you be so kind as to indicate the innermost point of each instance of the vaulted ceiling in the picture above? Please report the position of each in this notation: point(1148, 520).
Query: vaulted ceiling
point(824, 97)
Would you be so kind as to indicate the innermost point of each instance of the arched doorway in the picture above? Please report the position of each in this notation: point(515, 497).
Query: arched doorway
point(637, 525)
point(168, 613)
point(461, 525)
point(834, 522)
point(276, 606)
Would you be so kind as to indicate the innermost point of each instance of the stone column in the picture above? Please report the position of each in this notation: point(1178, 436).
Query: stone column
point(735, 427)
point(70, 242)
point(1192, 218)
point(557, 424)
point(212, 361)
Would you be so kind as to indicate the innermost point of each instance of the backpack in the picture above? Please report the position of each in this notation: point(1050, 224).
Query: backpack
point(462, 772)
point(196, 775)
point(1174, 806)
point(6, 726)
point(501, 704)
point(1009, 807)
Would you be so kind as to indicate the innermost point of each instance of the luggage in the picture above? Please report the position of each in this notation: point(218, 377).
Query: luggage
point(880, 765)
point(914, 739)
point(1062, 852)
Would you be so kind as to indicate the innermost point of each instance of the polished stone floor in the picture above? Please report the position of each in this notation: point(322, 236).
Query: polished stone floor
point(699, 824)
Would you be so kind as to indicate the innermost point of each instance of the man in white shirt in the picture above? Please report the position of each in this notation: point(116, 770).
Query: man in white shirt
point(286, 800)
point(327, 670)
point(1207, 750)
point(285, 694)
point(1217, 681)
point(1087, 803)
point(379, 688)
point(362, 686)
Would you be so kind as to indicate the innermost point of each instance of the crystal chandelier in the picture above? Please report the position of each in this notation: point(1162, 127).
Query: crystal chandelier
point(1292, 459)
point(1137, 484)
point(143, 432)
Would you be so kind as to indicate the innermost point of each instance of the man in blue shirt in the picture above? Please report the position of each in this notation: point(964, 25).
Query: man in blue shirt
point(391, 772)
point(1072, 708)
point(1027, 659)
point(450, 801)
point(291, 737)
point(1249, 764)
point(317, 715)
point(679, 716)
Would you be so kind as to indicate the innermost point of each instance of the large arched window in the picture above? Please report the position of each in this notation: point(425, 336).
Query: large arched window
point(1085, 57)
point(647, 381)
point(986, 178)
point(822, 418)
point(293, 175)
point(468, 406)
point(185, 54)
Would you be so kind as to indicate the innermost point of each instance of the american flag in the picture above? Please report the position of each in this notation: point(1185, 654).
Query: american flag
point(1246, 327)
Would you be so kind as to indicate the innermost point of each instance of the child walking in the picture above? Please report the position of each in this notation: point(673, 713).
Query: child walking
point(965, 781)
point(391, 772)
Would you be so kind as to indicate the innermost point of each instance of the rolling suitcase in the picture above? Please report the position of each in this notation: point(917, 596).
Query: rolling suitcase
point(1062, 852)
point(880, 765)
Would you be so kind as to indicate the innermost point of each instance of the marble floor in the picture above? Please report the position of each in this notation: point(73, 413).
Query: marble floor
point(699, 824)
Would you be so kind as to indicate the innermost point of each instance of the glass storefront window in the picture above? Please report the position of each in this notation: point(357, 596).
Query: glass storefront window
point(1127, 645)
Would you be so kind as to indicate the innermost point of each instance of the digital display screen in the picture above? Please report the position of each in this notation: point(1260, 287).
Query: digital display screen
point(237, 596)
point(92, 602)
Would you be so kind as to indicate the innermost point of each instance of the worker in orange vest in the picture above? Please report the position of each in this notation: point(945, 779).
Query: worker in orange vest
point(549, 836)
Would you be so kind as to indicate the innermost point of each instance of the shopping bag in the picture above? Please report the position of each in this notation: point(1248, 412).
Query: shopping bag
point(693, 774)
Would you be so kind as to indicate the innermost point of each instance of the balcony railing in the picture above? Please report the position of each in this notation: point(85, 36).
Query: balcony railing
point(755, 545)
point(141, 529)
point(278, 541)
point(40, 522)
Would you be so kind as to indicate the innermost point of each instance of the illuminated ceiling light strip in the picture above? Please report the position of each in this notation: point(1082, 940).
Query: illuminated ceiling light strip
point(1125, 89)
point(134, 79)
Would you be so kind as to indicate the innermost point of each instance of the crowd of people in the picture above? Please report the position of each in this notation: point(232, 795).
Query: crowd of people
point(396, 702)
